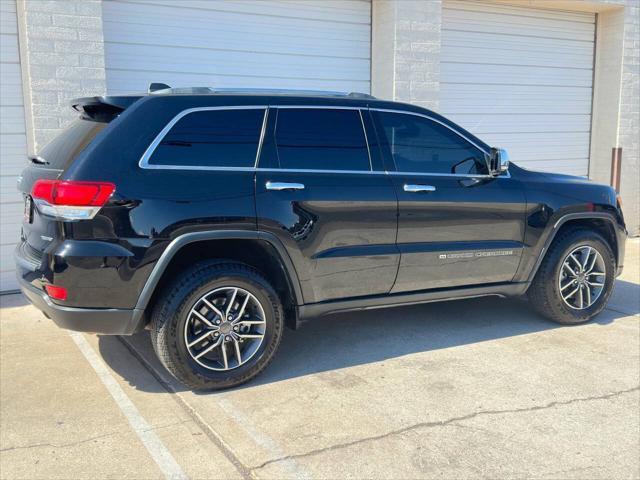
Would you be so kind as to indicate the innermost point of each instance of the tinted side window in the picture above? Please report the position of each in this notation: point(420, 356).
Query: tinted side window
point(421, 145)
point(212, 138)
point(321, 139)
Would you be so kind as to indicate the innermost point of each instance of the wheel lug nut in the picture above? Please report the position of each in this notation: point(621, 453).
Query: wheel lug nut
point(230, 317)
point(228, 338)
point(217, 322)
point(235, 329)
point(216, 334)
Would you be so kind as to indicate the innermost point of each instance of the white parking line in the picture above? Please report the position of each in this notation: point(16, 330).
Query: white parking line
point(161, 456)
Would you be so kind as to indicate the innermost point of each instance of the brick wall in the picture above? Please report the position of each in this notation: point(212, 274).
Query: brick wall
point(406, 51)
point(629, 124)
point(62, 50)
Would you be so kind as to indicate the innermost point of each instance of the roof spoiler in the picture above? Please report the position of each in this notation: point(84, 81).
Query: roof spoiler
point(102, 109)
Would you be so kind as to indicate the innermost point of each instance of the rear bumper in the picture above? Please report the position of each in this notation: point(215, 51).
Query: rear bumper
point(97, 320)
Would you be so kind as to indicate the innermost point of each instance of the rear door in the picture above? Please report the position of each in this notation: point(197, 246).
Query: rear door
point(457, 225)
point(320, 191)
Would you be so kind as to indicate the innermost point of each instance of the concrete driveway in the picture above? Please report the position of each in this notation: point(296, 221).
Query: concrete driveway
point(476, 388)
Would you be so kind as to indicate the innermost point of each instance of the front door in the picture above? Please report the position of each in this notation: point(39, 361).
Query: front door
point(316, 189)
point(457, 225)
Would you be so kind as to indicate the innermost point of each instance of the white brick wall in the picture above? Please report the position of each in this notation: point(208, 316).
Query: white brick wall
point(62, 47)
point(629, 130)
point(406, 51)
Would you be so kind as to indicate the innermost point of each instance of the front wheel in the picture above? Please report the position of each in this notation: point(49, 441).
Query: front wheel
point(575, 280)
point(217, 326)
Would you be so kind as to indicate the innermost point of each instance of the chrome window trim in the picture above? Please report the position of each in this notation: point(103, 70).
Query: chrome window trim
point(144, 160)
point(261, 138)
point(366, 140)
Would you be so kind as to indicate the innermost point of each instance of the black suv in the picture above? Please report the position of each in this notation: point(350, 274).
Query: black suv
point(215, 218)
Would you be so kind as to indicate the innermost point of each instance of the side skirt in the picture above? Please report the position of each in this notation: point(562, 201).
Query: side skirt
point(315, 310)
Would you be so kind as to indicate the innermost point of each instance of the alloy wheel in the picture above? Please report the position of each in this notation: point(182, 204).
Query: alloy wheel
point(582, 277)
point(225, 328)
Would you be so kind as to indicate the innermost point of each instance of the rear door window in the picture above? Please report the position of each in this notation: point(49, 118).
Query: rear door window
point(321, 139)
point(212, 138)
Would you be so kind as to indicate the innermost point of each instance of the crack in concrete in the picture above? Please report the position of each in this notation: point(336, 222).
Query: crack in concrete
point(443, 423)
point(86, 440)
point(62, 445)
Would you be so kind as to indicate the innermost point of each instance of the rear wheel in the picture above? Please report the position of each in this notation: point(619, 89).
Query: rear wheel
point(217, 326)
point(575, 280)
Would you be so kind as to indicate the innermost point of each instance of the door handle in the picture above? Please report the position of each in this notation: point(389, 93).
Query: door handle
point(419, 188)
point(284, 186)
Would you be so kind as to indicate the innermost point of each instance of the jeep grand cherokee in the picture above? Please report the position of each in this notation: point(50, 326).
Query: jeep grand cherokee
point(215, 218)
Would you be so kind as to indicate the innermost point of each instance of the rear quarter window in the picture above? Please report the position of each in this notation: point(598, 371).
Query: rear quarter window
point(212, 138)
point(65, 148)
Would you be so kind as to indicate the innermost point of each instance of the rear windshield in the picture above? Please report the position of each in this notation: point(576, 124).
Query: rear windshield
point(64, 149)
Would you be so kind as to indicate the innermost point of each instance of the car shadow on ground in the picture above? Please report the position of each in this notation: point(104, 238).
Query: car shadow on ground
point(349, 339)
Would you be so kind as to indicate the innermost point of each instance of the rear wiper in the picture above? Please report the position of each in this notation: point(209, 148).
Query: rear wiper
point(38, 160)
point(176, 143)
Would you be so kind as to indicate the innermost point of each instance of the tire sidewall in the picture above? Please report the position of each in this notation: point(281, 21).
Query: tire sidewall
point(175, 313)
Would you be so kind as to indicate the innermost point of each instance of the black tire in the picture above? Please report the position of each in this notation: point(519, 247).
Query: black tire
point(171, 311)
point(544, 292)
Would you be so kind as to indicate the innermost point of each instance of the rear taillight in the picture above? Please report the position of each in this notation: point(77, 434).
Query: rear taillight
point(71, 200)
point(55, 292)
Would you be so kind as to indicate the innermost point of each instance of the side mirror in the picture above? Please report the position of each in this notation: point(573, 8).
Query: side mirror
point(499, 162)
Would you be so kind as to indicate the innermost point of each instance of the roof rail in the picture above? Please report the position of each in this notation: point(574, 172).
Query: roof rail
point(160, 88)
point(287, 91)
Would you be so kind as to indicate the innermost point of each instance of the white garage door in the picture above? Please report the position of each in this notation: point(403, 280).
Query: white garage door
point(521, 78)
point(303, 44)
point(13, 142)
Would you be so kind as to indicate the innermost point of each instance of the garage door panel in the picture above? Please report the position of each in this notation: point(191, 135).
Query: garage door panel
point(521, 78)
point(491, 123)
point(8, 281)
point(483, 8)
point(545, 149)
point(566, 166)
point(514, 74)
point(238, 44)
point(253, 38)
point(475, 98)
point(350, 10)
point(9, 48)
point(141, 25)
point(9, 193)
point(13, 150)
point(509, 24)
point(13, 141)
point(224, 62)
point(472, 48)
point(11, 222)
point(11, 91)
point(272, 44)
point(12, 119)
